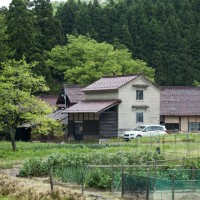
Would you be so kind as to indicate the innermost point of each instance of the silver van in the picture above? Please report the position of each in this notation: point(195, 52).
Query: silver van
point(145, 131)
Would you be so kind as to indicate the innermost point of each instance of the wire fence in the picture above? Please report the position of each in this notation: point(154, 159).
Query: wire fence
point(149, 182)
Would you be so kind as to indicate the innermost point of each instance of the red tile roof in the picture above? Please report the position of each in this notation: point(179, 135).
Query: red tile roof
point(92, 106)
point(49, 99)
point(180, 101)
point(110, 83)
point(74, 93)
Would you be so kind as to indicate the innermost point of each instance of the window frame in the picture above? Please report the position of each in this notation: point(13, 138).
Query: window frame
point(139, 95)
point(139, 117)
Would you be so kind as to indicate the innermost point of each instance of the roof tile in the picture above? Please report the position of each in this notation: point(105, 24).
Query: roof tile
point(180, 101)
point(92, 106)
point(109, 83)
point(74, 93)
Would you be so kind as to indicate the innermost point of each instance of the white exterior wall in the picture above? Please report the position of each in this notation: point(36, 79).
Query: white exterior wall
point(184, 124)
point(101, 95)
point(171, 119)
point(127, 115)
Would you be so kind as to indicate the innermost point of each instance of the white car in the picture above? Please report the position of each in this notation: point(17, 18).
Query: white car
point(145, 131)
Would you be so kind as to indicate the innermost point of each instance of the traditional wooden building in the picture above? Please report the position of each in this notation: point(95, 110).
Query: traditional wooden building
point(112, 105)
point(180, 108)
point(70, 95)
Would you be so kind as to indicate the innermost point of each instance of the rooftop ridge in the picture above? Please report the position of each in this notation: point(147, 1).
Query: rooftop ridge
point(116, 76)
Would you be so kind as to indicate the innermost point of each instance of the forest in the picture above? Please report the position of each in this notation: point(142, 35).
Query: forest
point(77, 42)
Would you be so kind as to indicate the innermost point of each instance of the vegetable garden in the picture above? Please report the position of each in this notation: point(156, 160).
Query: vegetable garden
point(148, 168)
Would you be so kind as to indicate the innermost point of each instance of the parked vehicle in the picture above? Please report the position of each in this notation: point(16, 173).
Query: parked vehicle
point(145, 131)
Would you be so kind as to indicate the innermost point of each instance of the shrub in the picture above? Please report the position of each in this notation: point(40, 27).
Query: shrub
point(98, 178)
point(34, 167)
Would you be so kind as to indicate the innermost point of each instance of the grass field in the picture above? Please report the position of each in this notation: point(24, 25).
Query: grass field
point(171, 146)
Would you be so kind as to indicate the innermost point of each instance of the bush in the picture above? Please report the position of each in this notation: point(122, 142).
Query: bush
point(98, 178)
point(34, 167)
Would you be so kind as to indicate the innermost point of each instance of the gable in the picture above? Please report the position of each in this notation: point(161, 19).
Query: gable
point(109, 83)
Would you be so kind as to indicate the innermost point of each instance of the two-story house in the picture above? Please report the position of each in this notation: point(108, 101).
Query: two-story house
point(114, 104)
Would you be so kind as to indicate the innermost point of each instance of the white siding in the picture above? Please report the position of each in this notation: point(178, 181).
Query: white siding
point(184, 124)
point(127, 115)
point(101, 95)
point(171, 119)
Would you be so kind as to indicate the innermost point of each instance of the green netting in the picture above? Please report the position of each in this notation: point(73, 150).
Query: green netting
point(142, 187)
point(160, 185)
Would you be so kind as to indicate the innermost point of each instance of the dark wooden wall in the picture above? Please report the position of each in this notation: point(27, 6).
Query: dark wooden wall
point(108, 124)
point(91, 128)
point(104, 125)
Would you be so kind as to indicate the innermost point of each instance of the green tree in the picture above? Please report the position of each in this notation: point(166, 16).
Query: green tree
point(49, 28)
point(21, 31)
point(18, 105)
point(3, 39)
point(83, 22)
point(84, 60)
point(66, 15)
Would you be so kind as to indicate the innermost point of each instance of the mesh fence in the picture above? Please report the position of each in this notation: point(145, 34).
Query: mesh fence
point(137, 182)
point(151, 188)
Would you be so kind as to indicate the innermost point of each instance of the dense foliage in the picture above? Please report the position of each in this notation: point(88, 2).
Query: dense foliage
point(164, 34)
point(18, 105)
point(84, 61)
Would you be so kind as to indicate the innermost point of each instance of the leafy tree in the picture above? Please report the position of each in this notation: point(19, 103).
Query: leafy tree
point(21, 31)
point(18, 105)
point(84, 60)
point(49, 28)
point(167, 30)
point(3, 39)
point(66, 15)
point(124, 33)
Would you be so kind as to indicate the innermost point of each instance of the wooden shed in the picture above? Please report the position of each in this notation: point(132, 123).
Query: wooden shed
point(93, 119)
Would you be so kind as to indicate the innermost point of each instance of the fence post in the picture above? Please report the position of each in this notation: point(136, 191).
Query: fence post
point(183, 162)
point(82, 182)
point(188, 142)
point(173, 186)
point(154, 176)
point(194, 178)
point(175, 147)
point(122, 180)
point(51, 179)
point(163, 144)
point(148, 183)
point(112, 179)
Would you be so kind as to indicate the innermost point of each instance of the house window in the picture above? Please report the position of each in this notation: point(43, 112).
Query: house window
point(194, 126)
point(139, 95)
point(139, 117)
point(172, 126)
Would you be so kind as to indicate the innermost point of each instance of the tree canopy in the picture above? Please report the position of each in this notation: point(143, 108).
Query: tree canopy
point(83, 60)
point(164, 34)
point(18, 103)
point(5, 50)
